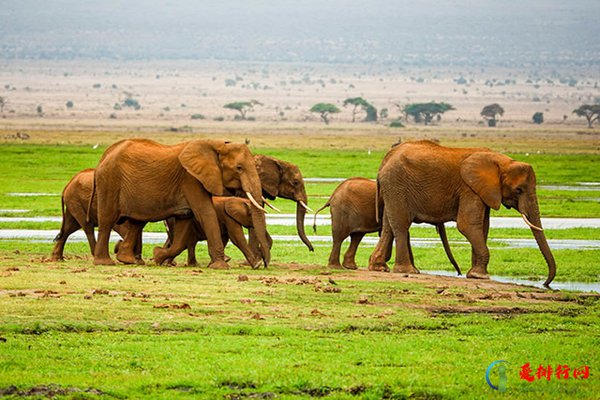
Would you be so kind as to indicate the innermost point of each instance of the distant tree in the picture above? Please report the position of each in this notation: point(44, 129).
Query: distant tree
point(591, 112)
point(242, 107)
point(364, 105)
point(490, 112)
point(325, 109)
point(40, 110)
point(426, 112)
point(383, 113)
point(131, 102)
point(538, 117)
point(3, 101)
point(69, 104)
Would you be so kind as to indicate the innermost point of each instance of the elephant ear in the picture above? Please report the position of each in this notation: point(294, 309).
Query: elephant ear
point(201, 160)
point(239, 210)
point(482, 173)
point(270, 172)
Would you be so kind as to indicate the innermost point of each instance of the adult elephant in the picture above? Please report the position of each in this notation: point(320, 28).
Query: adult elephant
point(283, 179)
point(234, 214)
point(353, 213)
point(143, 180)
point(425, 182)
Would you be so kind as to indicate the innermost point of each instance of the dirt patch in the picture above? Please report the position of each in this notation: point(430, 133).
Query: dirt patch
point(480, 310)
point(49, 391)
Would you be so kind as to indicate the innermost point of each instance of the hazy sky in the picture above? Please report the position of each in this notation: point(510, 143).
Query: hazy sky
point(430, 32)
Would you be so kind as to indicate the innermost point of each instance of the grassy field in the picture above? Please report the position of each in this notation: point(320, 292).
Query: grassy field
point(296, 330)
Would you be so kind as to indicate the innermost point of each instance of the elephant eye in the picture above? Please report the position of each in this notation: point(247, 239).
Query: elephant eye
point(519, 190)
point(239, 167)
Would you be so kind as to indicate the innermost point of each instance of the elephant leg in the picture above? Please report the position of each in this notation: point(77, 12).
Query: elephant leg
point(181, 232)
point(383, 251)
point(107, 218)
point(68, 227)
point(400, 223)
point(236, 234)
point(205, 213)
point(475, 232)
point(131, 244)
point(349, 256)
point(191, 253)
point(338, 235)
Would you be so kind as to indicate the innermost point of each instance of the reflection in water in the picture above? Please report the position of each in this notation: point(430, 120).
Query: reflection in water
point(575, 286)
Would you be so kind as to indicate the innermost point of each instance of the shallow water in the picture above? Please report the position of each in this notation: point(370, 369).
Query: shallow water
point(593, 287)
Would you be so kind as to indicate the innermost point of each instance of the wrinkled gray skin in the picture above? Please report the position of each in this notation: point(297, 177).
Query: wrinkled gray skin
point(425, 182)
point(353, 213)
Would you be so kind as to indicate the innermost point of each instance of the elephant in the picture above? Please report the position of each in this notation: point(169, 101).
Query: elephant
point(233, 214)
point(353, 214)
point(75, 201)
point(422, 181)
point(142, 180)
point(283, 179)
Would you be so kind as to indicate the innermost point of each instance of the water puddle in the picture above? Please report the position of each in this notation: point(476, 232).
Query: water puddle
point(574, 286)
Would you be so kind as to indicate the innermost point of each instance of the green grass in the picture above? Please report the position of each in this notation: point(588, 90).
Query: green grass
point(74, 330)
point(105, 328)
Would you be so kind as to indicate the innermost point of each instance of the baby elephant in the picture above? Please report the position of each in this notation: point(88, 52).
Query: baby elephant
point(353, 214)
point(75, 202)
point(233, 213)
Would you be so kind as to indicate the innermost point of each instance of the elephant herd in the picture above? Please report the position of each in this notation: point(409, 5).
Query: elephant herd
point(210, 190)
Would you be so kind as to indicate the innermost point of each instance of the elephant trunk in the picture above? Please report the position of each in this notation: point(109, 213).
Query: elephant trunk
point(300, 214)
point(259, 223)
point(532, 212)
point(251, 186)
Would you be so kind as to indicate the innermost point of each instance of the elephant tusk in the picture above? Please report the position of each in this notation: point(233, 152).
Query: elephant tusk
point(303, 204)
point(271, 205)
point(532, 226)
point(255, 202)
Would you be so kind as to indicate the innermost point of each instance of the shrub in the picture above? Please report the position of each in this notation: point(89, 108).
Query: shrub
point(396, 124)
point(69, 104)
point(198, 116)
point(538, 117)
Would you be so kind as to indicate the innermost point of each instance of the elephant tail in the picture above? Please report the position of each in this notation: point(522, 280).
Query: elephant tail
point(62, 207)
point(318, 211)
point(88, 216)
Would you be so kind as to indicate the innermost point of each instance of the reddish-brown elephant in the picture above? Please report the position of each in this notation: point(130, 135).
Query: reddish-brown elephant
point(145, 181)
point(353, 214)
point(75, 201)
point(425, 182)
point(283, 179)
point(234, 214)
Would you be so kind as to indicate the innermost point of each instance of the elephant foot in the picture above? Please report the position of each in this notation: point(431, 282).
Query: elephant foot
point(334, 265)
point(350, 265)
point(219, 264)
point(158, 255)
point(477, 274)
point(127, 258)
point(257, 264)
point(139, 261)
point(103, 261)
point(379, 267)
point(405, 269)
point(56, 258)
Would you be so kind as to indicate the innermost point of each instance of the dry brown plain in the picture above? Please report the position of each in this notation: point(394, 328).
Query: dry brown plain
point(171, 92)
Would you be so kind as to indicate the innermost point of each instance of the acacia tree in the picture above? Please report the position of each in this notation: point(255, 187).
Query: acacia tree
point(2, 104)
point(426, 112)
point(591, 112)
point(243, 107)
point(364, 105)
point(490, 112)
point(325, 109)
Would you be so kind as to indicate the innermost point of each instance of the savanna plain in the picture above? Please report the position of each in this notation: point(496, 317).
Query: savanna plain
point(296, 329)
